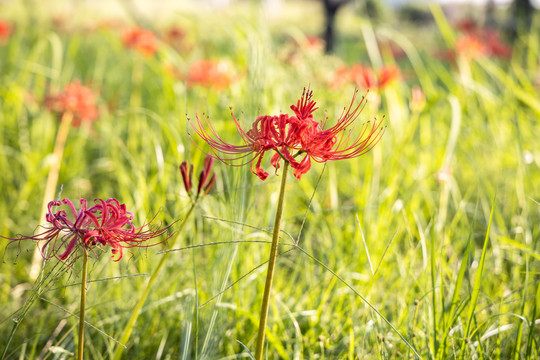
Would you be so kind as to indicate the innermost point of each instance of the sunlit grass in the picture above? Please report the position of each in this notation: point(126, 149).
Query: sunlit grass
point(418, 206)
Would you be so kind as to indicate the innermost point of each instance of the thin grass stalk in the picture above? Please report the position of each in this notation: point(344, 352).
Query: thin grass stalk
point(80, 347)
point(52, 181)
point(271, 266)
point(477, 284)
point(34, 294)
point(136, 311)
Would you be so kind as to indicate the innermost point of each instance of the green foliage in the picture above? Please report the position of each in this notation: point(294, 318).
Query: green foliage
point(447, 202)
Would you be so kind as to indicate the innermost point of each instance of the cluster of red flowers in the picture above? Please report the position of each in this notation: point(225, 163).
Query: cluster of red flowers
point(76, 99)
point(144, 41)
point(476, 41)
point(218, 74)
point(365, 77)
point(293, 136)
point(107, 223)
point(5, 31)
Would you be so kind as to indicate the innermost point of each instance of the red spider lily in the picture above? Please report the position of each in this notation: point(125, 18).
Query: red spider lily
point(257, 142)
point(483, 42)
point(205, 185)
point(77, 99)
point(313, 43)
point(211, 73)
point(107, 223)
point(186, 177)
point(5, 31)
point(477, 42)
point(365, 77)
point(175, 34)
point(335, 143)
point(471, 46)
point(286, 134)
point(144, 41)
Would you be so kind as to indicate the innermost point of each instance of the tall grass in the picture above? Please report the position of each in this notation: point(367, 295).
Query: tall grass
point(437, 228)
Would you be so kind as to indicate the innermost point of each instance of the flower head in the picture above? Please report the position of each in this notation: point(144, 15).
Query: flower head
point(107, 223)
point(5, 31)
point(292, 136)
point(365, 77)
point(476, 42)
point(144, 41)
point(335, 143)
point(77, 99)
point(218, 74)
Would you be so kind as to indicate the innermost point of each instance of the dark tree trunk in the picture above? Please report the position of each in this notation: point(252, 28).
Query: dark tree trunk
point(330, 9)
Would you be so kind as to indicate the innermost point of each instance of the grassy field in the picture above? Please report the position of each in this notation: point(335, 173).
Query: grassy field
point(428, 244)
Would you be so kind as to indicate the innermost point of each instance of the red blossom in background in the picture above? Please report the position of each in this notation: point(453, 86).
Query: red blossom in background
point(476, 41)
point(5, 31)
point(365, 77)
point(107, 223)
point(218, 74)
point(144, 41)
point(482, 42)
point(313, 43)
point(77, 99)
point(300, 134)
point(175, 33)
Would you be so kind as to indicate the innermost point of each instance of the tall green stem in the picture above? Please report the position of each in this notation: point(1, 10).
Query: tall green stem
point(271, 266)
point(83, 303)
point(137, 310)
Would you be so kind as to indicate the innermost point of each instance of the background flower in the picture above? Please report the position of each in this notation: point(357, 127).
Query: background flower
point(76, 99)
point(144, 41)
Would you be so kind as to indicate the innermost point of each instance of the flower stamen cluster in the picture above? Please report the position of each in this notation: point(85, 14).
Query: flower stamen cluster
point(107, 223)
point(292, 136)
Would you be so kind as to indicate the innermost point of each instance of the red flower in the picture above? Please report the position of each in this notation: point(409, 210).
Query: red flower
point(205, 184)
point(77, 99)
point(107, 223)
point(482, 42)
point(144, 41)
point(335, 143)
point(211, 73)
point(175, 34)
point(257, 141)
point(5, 31)
point(471, 46)
point(313, 43)
point(476, 42)
point(365, 77)
point(286, 134)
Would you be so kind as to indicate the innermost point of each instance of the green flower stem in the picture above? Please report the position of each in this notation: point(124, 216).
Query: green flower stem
point(136, 311)
point(83, 303)
point(52, 181)
point(271, 266)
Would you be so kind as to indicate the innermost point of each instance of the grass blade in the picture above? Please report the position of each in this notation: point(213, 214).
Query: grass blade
point(477, 282)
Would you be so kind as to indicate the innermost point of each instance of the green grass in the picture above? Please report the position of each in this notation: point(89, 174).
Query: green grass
point(453, 263)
